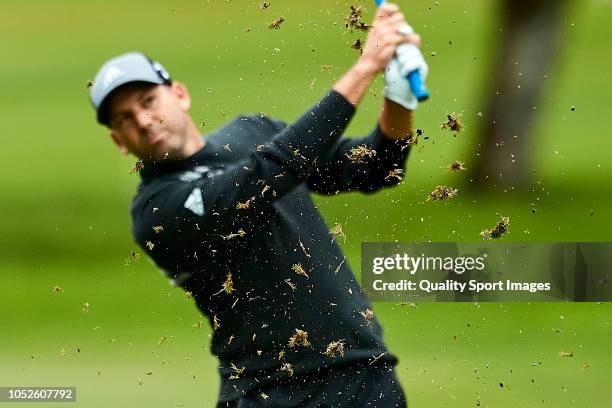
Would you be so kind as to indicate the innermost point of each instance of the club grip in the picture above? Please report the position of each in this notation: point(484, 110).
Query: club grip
point(414, 78)
point(417, 86)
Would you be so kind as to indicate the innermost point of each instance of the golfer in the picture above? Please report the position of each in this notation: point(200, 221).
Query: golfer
point(229, 218)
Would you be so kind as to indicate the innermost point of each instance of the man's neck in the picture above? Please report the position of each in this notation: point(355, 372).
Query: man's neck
point(194, 144)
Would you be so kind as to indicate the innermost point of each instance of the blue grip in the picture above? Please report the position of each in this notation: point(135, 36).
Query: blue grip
point(379, 2)
point(417, 86)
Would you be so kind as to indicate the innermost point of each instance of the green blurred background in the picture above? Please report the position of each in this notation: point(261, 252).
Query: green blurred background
point(66, 193)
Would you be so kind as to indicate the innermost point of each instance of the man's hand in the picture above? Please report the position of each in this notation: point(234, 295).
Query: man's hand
point(397, 88)
point(382, 40)
point(386, 34)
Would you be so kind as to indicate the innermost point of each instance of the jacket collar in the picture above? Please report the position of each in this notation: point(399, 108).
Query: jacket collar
point(155, 169)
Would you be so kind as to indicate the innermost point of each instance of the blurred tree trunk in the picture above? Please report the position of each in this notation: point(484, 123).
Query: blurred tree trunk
point(527, 46)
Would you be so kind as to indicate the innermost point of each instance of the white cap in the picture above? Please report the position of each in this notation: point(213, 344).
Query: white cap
point(121, 70)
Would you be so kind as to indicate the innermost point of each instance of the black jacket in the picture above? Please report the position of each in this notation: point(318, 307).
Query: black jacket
point(242, 205)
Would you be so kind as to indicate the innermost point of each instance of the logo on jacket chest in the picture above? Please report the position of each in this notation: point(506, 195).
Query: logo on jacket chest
point(198, 172)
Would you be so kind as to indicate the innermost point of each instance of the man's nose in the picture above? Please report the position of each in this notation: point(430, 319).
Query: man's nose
point(144, 119)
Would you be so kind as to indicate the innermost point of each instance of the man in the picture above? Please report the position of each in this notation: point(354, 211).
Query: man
point(229, 218)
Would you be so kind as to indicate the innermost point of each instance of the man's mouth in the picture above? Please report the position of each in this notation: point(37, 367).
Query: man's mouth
point(154, 137)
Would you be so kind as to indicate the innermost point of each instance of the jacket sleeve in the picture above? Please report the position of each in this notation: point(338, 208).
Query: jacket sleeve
point(235, 197)
point(337, 172)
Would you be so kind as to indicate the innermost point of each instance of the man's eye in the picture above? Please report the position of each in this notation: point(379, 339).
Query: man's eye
point(119, 121)
point(148, 101)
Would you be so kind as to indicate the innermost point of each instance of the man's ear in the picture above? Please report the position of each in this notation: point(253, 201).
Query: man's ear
point(182, 94)
point(122, 148)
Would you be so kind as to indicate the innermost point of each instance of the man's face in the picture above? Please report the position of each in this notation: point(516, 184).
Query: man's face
point(149, 120)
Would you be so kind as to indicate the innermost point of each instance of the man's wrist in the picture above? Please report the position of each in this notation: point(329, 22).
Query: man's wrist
point(353, 84)
point(395, 121)
point(365, 69)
